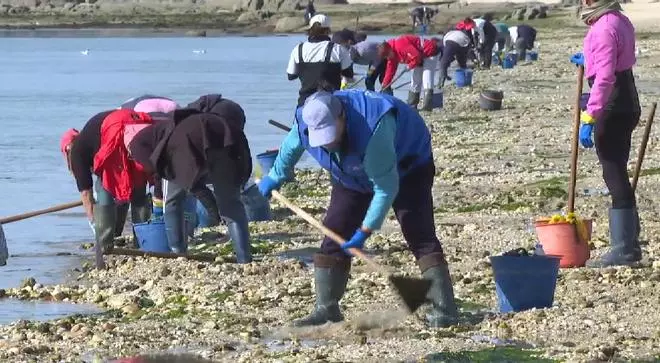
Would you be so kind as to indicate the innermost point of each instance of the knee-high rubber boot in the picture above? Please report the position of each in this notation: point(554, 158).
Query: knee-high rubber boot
point(240, 238)
point(624, 242)
point(122, 212)
point(427, 101)
point(330, 279)
point(175, 225)
point(140, 210)
point(441, 294)
point(105, 217)
point(207, 198)
point(413, 99)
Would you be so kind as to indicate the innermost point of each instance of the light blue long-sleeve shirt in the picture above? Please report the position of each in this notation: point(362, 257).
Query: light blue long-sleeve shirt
point(380, 165)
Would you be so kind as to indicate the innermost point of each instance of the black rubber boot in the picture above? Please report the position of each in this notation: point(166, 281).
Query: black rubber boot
point(413, 99)
point(330, 279)
point(441, 294)
point(427, 101)
point(240, 238)
point(624, 240)
point(105, 218)
point(207, 198)
point(122, 212)
point(140, 210)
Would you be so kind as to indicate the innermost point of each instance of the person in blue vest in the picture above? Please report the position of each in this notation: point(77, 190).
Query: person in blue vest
point(378, 151)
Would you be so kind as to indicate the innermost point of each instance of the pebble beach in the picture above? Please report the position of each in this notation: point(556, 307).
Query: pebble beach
point(495, 173)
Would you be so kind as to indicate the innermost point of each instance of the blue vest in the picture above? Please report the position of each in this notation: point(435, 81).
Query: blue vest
point(363, 113)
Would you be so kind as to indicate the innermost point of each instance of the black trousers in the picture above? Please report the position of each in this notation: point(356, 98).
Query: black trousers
point(413, 207)
point(451, 51)
point(487, 53)
point(612, 136)
point(377, 74)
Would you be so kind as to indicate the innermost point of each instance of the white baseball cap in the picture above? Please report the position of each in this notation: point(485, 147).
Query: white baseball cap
point(322, 19)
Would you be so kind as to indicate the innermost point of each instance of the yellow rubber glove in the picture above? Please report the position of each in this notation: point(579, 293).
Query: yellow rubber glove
point(344, 84)
point(158, 203)
point(586, 118)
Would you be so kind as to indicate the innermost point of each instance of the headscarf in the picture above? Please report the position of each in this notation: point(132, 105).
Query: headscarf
point(67, 139)
point(593, 12)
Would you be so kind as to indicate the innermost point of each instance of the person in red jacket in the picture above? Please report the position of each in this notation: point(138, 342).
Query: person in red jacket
point(100, 149)
point(420, 55)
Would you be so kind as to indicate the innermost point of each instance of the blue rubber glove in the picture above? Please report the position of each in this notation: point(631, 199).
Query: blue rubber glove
point(586, 130)
point(578, 59)
point(357, 241)
point(267, 185)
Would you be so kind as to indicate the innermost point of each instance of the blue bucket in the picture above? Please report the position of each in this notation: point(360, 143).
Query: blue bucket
point(526, 282)
point(256, 205)
point(151, 236)
point(509, 61)
point(438, 100)
point(496, 58)
point(584, 99)
point(266, 160)
point(532, 56)
point(463, 77)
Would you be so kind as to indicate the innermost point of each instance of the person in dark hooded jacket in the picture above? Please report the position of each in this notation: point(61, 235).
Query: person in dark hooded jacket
point(204, 141)
point(174, 226)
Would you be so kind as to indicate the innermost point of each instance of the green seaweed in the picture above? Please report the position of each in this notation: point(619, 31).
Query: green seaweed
point(495, 355)
point(470, 305)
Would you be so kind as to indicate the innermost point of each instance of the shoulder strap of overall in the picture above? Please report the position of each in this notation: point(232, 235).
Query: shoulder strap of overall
point(328, 52)
point(300, 54)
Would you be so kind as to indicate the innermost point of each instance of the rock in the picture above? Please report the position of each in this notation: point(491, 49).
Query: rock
point(196, 33)
point(108, 326)
point(44, 328)
point(519, 14)
point(211, 325)
point(254, 16)
point(131, 308)
point(117, 301)
point(165, 271)
point(289, 24)
point(271, 5)
point(531, 13)
point(3, 293)
point(60, 295)
point(19, 337)
point(19, 10)
point(28, 282)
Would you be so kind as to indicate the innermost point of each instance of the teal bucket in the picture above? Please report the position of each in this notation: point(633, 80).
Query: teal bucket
point(463, 77)
point(525, 282)
point(151, 236)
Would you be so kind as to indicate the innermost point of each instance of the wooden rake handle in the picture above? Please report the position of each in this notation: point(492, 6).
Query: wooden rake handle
point(279, 125)
point(574, 141)
point(327, 231)
point(39, 212)
point(642, 147)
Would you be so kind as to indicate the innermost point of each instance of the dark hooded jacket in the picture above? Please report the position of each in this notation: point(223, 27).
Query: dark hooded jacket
point(227, 109)
point(178, 149)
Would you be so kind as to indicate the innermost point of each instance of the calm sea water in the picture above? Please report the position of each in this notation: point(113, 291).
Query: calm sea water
point(47, 85)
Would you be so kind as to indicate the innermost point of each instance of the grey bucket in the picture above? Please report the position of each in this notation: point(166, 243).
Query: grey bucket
point(490, 100)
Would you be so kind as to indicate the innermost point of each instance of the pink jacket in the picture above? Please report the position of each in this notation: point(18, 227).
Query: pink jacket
point(609, 47)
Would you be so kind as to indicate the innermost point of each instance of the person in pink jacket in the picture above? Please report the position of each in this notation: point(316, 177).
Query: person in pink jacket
point(611, 114)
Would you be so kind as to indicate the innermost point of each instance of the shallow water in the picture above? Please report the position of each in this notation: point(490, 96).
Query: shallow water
point(12, 309)
point(49, 85)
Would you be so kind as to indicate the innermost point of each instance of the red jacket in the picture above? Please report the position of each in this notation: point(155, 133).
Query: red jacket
point(118, 172)
point(407, 49)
